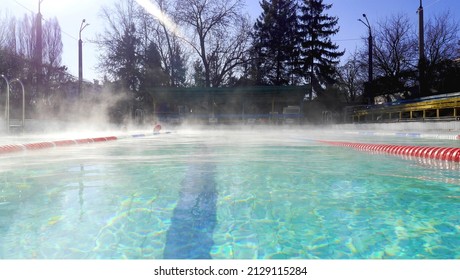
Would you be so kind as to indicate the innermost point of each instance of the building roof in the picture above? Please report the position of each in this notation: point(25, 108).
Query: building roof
point(265, 90)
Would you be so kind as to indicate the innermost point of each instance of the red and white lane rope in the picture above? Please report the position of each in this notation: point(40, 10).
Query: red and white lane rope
point(426, 152)
point(12, 148)
point(51, 144)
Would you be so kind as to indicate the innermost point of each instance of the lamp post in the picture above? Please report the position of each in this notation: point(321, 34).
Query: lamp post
point(39, 47)
point(80, 56)
point(421, 49)
point(368, 89)
point(370, 43)
point(39, 3)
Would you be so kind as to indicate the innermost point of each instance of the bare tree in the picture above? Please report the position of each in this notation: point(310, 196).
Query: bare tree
point(440, 50)
point(54, 72)
point(156, 30)
point(11, 42)
point(214, 34)
point(138, 46)
point(441, 38)
point(395, 46)
point(4, 30)
point(19, 38)
point(119, 43)
point(26, 37)
point(227, 55)
point(173, 59)
point(52, 43)
point(352, 76)
point(395, 54)
point(458, 50)
point(11, 62)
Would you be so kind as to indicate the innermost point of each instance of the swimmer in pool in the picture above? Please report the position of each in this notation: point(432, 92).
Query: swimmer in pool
point(156, 128)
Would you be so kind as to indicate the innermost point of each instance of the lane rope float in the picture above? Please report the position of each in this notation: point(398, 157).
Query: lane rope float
point(14, 148)
point(426, 152)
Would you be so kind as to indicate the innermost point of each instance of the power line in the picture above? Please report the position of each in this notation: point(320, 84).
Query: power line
point(68, 34)
point(62, 31)
point(23, 6)
point(432, 3)
point(343, 40)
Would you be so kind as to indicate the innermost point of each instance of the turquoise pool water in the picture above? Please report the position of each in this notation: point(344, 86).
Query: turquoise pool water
point(227, 195)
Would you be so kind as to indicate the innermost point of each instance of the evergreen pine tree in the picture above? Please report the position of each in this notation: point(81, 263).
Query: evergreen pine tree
point(153, 74)
point(199, 76)
point(124, 61)
point(275, 44)
point(319, 55)
point(178, 67)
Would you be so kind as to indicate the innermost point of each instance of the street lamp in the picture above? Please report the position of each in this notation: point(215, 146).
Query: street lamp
point(39, 47)
point(39, 3)
point(421, 49)
point(80, 56)
point(370, 42)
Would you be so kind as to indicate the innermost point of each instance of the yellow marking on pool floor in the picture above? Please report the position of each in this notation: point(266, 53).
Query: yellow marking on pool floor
point(54, 220)
point(392, 250)
point(23, 186)
point(351, 246)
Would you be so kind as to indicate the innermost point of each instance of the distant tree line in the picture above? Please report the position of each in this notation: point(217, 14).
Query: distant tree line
point(396, 59)
point(200, 43)
point(291, 43)
point(215, 45)
point(20, 55)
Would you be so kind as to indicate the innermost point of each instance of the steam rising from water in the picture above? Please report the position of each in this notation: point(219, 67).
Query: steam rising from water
point(90, 112)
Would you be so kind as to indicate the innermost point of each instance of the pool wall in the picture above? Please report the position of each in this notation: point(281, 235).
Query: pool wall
point(426, 135)
point(438, 126)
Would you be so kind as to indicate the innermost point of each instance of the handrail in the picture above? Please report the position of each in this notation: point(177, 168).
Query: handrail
point(7, 107)
point(23, 102)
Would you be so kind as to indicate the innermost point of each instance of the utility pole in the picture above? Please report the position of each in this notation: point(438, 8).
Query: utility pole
point(421, 48)
point(39, 49)
point(370, 44)
point(80, 57)
point(368, 89)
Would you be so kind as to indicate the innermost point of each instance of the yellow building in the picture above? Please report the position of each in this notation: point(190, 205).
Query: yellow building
point(437, 107)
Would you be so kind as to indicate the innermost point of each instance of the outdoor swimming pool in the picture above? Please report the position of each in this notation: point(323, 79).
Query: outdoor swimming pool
point(228, 195)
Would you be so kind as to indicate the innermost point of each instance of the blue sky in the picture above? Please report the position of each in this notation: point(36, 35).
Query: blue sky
point(71, 12)
point(352, 31)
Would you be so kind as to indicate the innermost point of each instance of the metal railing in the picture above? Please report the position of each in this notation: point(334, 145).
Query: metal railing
point(438, 107)
point(7, 105)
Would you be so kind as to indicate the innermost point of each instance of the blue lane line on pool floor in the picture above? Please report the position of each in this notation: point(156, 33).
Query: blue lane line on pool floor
point(138, 135)
point(190, 235)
